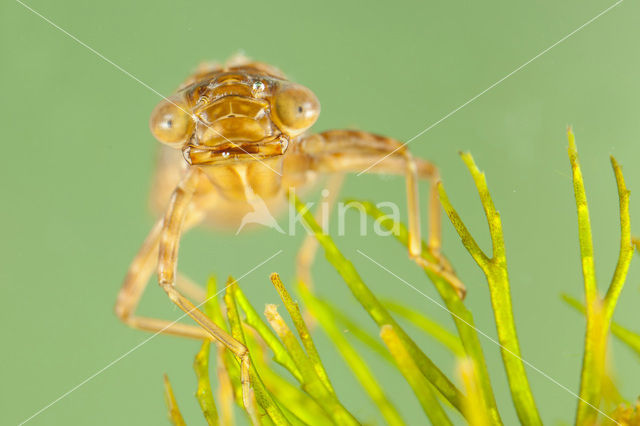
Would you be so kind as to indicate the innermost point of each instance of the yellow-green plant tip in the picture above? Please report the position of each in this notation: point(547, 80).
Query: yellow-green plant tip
point(290, 343)
point(204, 394)
point(280, 354)
point(492, 215)
point(584, 223)
point(311, 383)
point(375, 309)
point(573, 150)
point(172, 405)
point(467, 239)
point(626, 246)
point(421, 387)
point(303, 331)
point(357, 365)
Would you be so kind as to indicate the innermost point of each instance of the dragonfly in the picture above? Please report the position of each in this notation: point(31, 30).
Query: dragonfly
point(238, 132)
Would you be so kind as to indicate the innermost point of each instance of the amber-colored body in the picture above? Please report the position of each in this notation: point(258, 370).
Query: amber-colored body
point(235, 134)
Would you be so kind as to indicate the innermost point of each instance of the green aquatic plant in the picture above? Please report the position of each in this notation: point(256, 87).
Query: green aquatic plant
point(300, 391)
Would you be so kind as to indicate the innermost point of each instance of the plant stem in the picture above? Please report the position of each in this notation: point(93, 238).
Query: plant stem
point(303, 331)
point(357, 365)
point(475, 404)
point(262, 395)
point(377, 312)
point(280, 354)
point(462, 317)
point(429, 326)
point(311, 383)
point(203, 391)
point(595, 339)
point(495, 269)
point(365, 337)
point(626, 245)
point(599, 311)
point(421, 387)
point(622, 333)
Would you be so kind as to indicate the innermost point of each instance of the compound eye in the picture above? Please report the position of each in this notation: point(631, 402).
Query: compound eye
point(296, 108)
point(170, 123)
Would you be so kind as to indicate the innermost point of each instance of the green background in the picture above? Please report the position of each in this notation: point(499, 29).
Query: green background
point(77, 158)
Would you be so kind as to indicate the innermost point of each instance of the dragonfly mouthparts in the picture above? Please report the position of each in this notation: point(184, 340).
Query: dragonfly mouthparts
point(197, 154)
